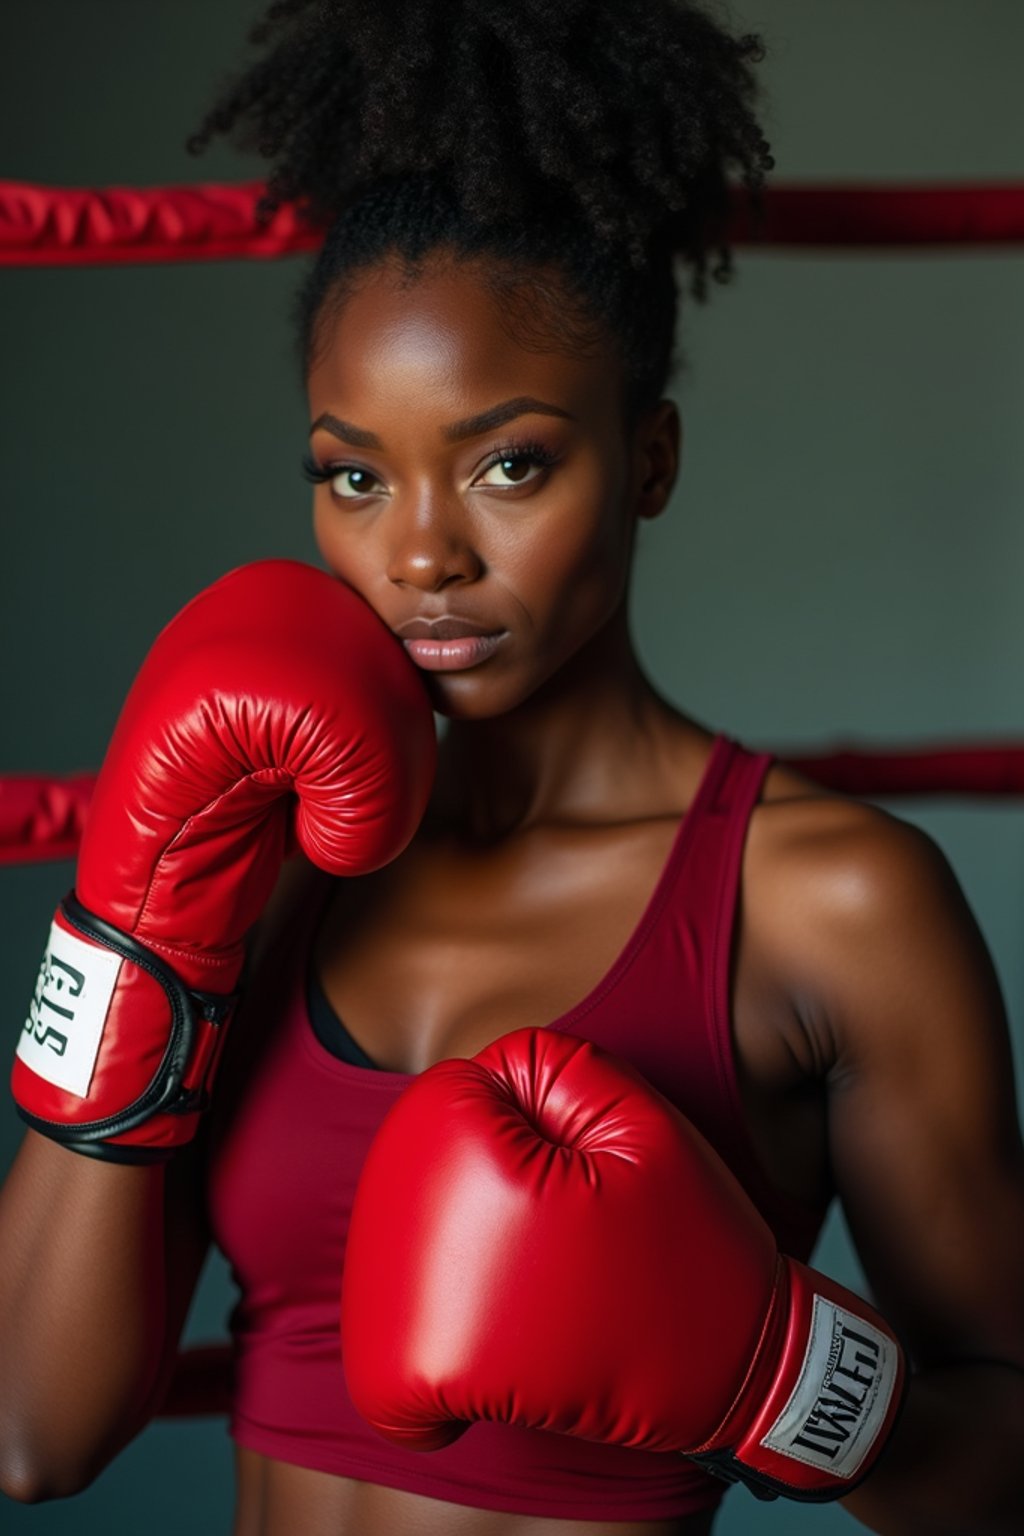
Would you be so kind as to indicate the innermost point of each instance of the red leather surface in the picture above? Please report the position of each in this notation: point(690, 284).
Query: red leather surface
point(539, 1236)
point(275, 704)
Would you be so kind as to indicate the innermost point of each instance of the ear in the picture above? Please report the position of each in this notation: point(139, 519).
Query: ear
point(657, 449)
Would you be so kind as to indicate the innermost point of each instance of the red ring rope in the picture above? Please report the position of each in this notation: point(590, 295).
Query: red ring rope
point(77, 226)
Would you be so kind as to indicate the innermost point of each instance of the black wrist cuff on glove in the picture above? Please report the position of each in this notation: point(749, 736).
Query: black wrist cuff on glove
point(164, 1094)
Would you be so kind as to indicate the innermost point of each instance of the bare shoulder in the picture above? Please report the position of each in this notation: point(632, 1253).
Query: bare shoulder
point(798, 825)
point(843, 892)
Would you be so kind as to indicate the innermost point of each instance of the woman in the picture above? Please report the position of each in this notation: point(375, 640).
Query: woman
point(486, 340)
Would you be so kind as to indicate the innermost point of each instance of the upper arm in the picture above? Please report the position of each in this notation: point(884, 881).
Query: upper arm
point(923, 1133)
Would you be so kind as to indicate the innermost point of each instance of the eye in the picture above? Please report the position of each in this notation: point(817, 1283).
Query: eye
point(330, 473)
point(519, 454)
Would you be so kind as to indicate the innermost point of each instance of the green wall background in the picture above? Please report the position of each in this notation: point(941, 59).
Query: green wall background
point(844, 552)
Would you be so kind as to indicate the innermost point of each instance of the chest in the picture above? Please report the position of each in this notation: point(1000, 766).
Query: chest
point(449, 948)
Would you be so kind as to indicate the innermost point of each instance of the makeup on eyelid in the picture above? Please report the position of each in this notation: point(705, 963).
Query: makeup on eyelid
point(526, 451)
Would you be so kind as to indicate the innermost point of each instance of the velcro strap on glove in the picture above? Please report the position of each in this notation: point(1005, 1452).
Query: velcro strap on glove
point(822, 1399)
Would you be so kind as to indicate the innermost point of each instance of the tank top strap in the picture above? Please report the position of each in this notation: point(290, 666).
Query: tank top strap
point(731, 809)
point(742, 779)
point(704, 903)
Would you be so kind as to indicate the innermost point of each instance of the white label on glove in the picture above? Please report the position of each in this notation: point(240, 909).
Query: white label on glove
point(61, 1037)
point(842, 1394)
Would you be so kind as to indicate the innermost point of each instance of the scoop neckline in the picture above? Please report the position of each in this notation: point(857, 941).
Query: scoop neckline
point(380, 1078)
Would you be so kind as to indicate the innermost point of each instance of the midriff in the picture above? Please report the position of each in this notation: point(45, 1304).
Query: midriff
point(275, 1499)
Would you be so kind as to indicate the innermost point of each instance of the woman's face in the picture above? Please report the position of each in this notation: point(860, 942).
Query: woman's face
point(494, 566)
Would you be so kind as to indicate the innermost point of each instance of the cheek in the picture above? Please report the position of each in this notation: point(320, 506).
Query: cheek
point(581, 570)
point(340, 555)
point(322, 534)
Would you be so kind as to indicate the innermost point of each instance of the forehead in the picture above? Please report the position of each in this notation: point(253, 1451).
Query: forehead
point(450, 335)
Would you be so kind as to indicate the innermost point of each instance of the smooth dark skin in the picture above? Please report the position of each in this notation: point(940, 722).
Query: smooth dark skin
point(870, 1035)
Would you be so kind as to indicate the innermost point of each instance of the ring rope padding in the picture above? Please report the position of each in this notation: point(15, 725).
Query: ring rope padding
point(83, 226)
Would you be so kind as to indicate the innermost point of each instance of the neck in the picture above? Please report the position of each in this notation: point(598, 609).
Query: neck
point(594, 744)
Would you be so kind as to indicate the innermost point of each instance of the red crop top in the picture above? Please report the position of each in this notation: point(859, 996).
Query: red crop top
point(290, 1127)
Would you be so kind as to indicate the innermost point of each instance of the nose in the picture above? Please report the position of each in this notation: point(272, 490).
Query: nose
point(431, 549)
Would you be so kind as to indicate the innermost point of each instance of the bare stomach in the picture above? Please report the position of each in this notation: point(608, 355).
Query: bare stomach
point(276, 1499)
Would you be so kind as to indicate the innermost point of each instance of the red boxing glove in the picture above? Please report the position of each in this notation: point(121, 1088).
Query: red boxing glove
point(540, 1238)
point(275, 706)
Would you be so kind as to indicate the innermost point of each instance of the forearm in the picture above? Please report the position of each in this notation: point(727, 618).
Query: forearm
point(82, 1303)
point(954, 1465)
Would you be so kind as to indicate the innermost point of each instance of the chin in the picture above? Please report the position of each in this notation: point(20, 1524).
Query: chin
point(466, 707)
point(473, 696)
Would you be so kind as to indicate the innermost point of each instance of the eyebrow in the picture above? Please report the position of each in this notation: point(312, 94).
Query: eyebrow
point(471, 426)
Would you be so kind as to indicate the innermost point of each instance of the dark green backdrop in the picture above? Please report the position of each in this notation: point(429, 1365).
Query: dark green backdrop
point(843, 553)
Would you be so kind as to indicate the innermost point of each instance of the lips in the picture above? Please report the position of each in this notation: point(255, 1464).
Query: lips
point(453, 655)
point(448, 628)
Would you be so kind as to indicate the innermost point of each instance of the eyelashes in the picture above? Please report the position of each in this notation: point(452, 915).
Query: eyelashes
point(526, 450)
point(319, 474)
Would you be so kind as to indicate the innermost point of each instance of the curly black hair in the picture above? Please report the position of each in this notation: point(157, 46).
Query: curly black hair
point(573, 148)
